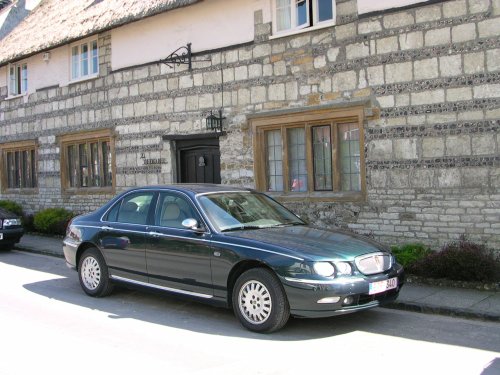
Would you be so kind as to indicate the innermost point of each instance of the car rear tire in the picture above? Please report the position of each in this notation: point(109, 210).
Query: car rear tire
point(259, 301)
point(93, 274)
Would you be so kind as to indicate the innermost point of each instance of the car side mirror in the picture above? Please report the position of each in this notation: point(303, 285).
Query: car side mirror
point(192, 224)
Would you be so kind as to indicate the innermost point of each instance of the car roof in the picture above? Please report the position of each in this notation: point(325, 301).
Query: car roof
point(195, 188)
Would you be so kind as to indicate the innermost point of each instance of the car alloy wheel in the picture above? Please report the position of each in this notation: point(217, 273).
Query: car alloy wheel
point(93, 274)
point(255, 302)
point(259, 301)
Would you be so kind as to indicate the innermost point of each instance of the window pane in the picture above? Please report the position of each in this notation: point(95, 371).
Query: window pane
point(172, 210)
point(297, 159)
point(12, 80)
point(18, 168)
point(34, 183)
point(107, 170)
point(134, 208)
point(75, 63)
point(94, 167)
point(84, 167)
point(72, 166)
point(95, 58)
point(24, 78)
point(325, 10)
point(24, 169)
point(302, 11)
point(274, 159)
point(350, 172)
point(283, 15)
point(322, 150)
point(11, 168)
point(85, 60)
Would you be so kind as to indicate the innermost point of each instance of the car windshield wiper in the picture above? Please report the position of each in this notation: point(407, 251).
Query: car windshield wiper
point(241, 227)
point(286, 224)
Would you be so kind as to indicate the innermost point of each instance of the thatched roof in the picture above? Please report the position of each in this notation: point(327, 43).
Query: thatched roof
point(57, 22)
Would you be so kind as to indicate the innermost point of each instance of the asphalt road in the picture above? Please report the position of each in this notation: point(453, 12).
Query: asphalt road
point(49, 326)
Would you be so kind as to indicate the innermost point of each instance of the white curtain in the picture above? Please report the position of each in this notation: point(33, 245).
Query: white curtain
point(283, 15)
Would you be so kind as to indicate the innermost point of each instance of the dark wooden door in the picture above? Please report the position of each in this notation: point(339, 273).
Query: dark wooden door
point(200, 165)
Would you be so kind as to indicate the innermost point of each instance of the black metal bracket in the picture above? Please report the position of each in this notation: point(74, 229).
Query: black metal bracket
point(181, 55)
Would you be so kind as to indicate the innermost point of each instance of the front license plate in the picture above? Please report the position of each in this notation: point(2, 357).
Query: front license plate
point(382, 286)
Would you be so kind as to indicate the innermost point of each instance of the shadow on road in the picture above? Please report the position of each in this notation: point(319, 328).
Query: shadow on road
point(175, 312)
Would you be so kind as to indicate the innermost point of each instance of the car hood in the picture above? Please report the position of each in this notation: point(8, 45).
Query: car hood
point(313, 243)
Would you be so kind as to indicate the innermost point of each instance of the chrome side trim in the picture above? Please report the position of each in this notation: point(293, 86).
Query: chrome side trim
point(222, 192)
point(323, 282)
point(194, 294)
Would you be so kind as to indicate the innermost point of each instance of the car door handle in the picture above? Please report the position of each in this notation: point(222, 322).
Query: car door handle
point(154, 234)
point(106, 228)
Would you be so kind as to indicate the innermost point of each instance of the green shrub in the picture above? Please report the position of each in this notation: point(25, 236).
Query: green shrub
point(461, 260)
point(12, 206)
point(52, 220)
point(408, 254)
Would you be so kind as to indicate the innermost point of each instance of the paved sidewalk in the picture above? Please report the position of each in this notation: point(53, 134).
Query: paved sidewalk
point(465, 303)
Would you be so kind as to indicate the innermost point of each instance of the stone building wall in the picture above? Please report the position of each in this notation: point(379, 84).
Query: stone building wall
point(432, 156)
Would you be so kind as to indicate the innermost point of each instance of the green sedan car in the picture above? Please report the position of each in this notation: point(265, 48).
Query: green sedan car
point(232, 247)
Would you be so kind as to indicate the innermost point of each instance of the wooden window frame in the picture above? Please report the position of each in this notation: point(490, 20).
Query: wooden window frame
point(308, 120)
point(80, 138)
point(29, 145)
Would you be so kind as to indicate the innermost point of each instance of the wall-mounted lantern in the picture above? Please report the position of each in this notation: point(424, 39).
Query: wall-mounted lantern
point(215, 121)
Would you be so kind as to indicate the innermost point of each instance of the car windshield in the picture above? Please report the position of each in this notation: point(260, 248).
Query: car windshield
point(245, 210)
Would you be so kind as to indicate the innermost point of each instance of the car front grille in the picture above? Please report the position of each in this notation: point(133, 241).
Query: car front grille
point(370, 264)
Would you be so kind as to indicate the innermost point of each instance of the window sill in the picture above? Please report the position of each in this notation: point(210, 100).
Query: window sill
point(318, 196)
point(12, 97)
point(283, 34)
point(89, 191)
point(83, 79)
point(26, 191)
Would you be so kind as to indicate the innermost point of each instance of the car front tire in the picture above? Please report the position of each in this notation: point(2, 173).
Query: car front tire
point(93, 274)
point(259, 301)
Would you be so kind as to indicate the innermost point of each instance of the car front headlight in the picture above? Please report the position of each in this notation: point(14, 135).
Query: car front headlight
point(324, 269)
point(11, 222)
point(343, 268)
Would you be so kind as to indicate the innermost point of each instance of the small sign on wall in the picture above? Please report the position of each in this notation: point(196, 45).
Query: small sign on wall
point(152, 161)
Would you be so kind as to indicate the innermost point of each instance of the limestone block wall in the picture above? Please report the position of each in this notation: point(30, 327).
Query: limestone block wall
point(432, 156)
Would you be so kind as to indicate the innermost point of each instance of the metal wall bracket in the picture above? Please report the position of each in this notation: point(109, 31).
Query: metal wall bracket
point(181, 55)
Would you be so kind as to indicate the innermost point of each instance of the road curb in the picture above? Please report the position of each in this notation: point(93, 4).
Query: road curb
point(440, 310)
